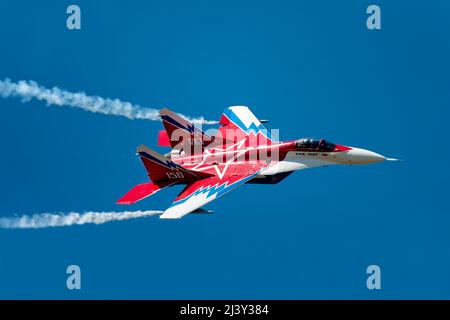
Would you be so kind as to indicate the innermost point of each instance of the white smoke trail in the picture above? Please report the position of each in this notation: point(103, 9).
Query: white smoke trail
point(45, 220)
point(28, 90)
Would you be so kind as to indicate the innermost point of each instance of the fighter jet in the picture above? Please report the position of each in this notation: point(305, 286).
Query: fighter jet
point(241, 151)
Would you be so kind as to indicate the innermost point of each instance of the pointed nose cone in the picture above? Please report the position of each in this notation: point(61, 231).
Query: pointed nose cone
point(362, 156)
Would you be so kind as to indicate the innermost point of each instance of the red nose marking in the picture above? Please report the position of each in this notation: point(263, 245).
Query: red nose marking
point(341, 148)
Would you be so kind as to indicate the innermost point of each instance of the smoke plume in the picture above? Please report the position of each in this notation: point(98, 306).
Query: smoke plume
point(28, 90)
point(46, 220)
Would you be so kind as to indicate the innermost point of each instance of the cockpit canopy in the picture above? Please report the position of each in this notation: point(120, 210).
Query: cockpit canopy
point(314, 144)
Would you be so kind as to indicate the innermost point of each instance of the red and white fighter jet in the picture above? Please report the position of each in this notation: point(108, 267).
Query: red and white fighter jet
point(241, 151)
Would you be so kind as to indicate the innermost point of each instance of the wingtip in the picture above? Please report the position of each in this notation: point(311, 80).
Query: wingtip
point(169, 217)
point(124, 202)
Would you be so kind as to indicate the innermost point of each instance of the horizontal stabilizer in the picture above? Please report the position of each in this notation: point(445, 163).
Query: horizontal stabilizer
point(163, 139)
point(138, 193)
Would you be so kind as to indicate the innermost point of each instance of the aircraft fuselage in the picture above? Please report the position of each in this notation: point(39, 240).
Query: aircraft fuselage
point(273, 159)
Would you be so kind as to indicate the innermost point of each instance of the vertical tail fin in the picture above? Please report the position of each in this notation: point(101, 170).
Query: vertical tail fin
point(162, 170)
point(183, 134)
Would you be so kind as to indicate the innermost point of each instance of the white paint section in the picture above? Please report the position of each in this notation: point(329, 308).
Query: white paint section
point(192, 203)
point(245, 115)
point(358, 156)
point(294, 162)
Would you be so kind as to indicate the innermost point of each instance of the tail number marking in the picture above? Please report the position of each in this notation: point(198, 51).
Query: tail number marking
point(174, 175)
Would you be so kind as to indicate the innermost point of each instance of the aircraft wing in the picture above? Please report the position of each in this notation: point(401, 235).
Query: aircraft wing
point(201, 192)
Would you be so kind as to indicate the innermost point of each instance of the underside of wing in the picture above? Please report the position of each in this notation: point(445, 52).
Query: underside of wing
point(199, 193)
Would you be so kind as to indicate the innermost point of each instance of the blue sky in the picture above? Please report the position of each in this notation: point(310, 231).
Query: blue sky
point(311, 67)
